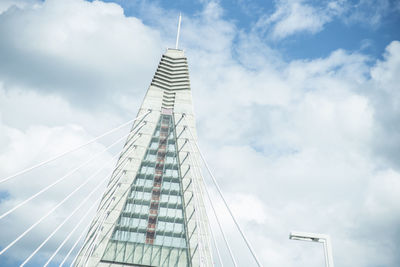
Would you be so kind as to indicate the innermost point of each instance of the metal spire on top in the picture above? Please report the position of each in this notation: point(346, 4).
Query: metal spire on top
point(179, 29)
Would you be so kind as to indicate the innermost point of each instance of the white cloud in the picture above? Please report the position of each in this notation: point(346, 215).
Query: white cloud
point(382, 196)
point(6, 4)
point(369, 12)
point(87, 55)
point(385, 72)
point(294, 16)
point(385, 94)
point(295, 140)
point(305, 16)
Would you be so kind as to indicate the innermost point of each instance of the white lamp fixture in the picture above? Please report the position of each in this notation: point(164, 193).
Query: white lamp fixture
point(324, 239)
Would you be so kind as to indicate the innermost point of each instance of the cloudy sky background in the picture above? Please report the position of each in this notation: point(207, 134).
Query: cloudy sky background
point(297, 105)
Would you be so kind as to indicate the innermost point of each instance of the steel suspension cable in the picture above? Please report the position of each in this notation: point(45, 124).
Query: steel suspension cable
point(61, 179)
point(73, 246)
point(93, 233)
point(99, 222)
point(95, 238)
point(113, 187)
point(211, 231)
point(103, 215)
point(89, 246)
point(223, 198)
point(46, 215)
point(60, 225)
point(71, 150)
point(197, 184)
point(72, 232)
point(129, 142)
point(219, 224)
point(113, 177)
point(113, 181)
point(216, 247)
point(74, 211)
point(82, 234)
point(199, 230)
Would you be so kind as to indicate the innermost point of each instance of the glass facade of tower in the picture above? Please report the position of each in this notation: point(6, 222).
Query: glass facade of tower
point(150, 230)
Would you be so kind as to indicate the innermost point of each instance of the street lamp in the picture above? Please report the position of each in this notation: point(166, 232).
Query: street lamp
point(324, 239)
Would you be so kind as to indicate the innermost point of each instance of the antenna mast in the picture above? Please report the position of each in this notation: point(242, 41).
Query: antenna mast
point(179, 29)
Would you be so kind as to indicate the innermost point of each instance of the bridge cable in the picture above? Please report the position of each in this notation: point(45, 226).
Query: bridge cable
point(212, 234)
point(196, 184)
point(96, 237)
point(74, 245)
point(211, 231)
point(199, 229)
point(70, 234)
point(87, 228)
point(101, 218)
point(216, 217)
point(98, 226)
point(65, 220)
point(223, 198)
point(51, 211)
point(75, 210)
point(63, 177)
point(71, 150)
point(102, 215)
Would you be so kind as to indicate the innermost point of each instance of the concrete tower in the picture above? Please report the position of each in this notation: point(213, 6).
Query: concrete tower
point(152, 212)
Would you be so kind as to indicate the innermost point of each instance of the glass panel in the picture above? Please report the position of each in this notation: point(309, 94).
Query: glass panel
point(150, 157)
point(171, 148)
point(154, 145)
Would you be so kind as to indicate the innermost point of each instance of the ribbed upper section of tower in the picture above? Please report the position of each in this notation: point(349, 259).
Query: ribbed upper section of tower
point(172, 74)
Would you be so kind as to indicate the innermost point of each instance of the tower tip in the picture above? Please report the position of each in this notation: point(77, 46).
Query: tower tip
point(179, 29)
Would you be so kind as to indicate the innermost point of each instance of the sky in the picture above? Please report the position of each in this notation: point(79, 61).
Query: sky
point(297, 105)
